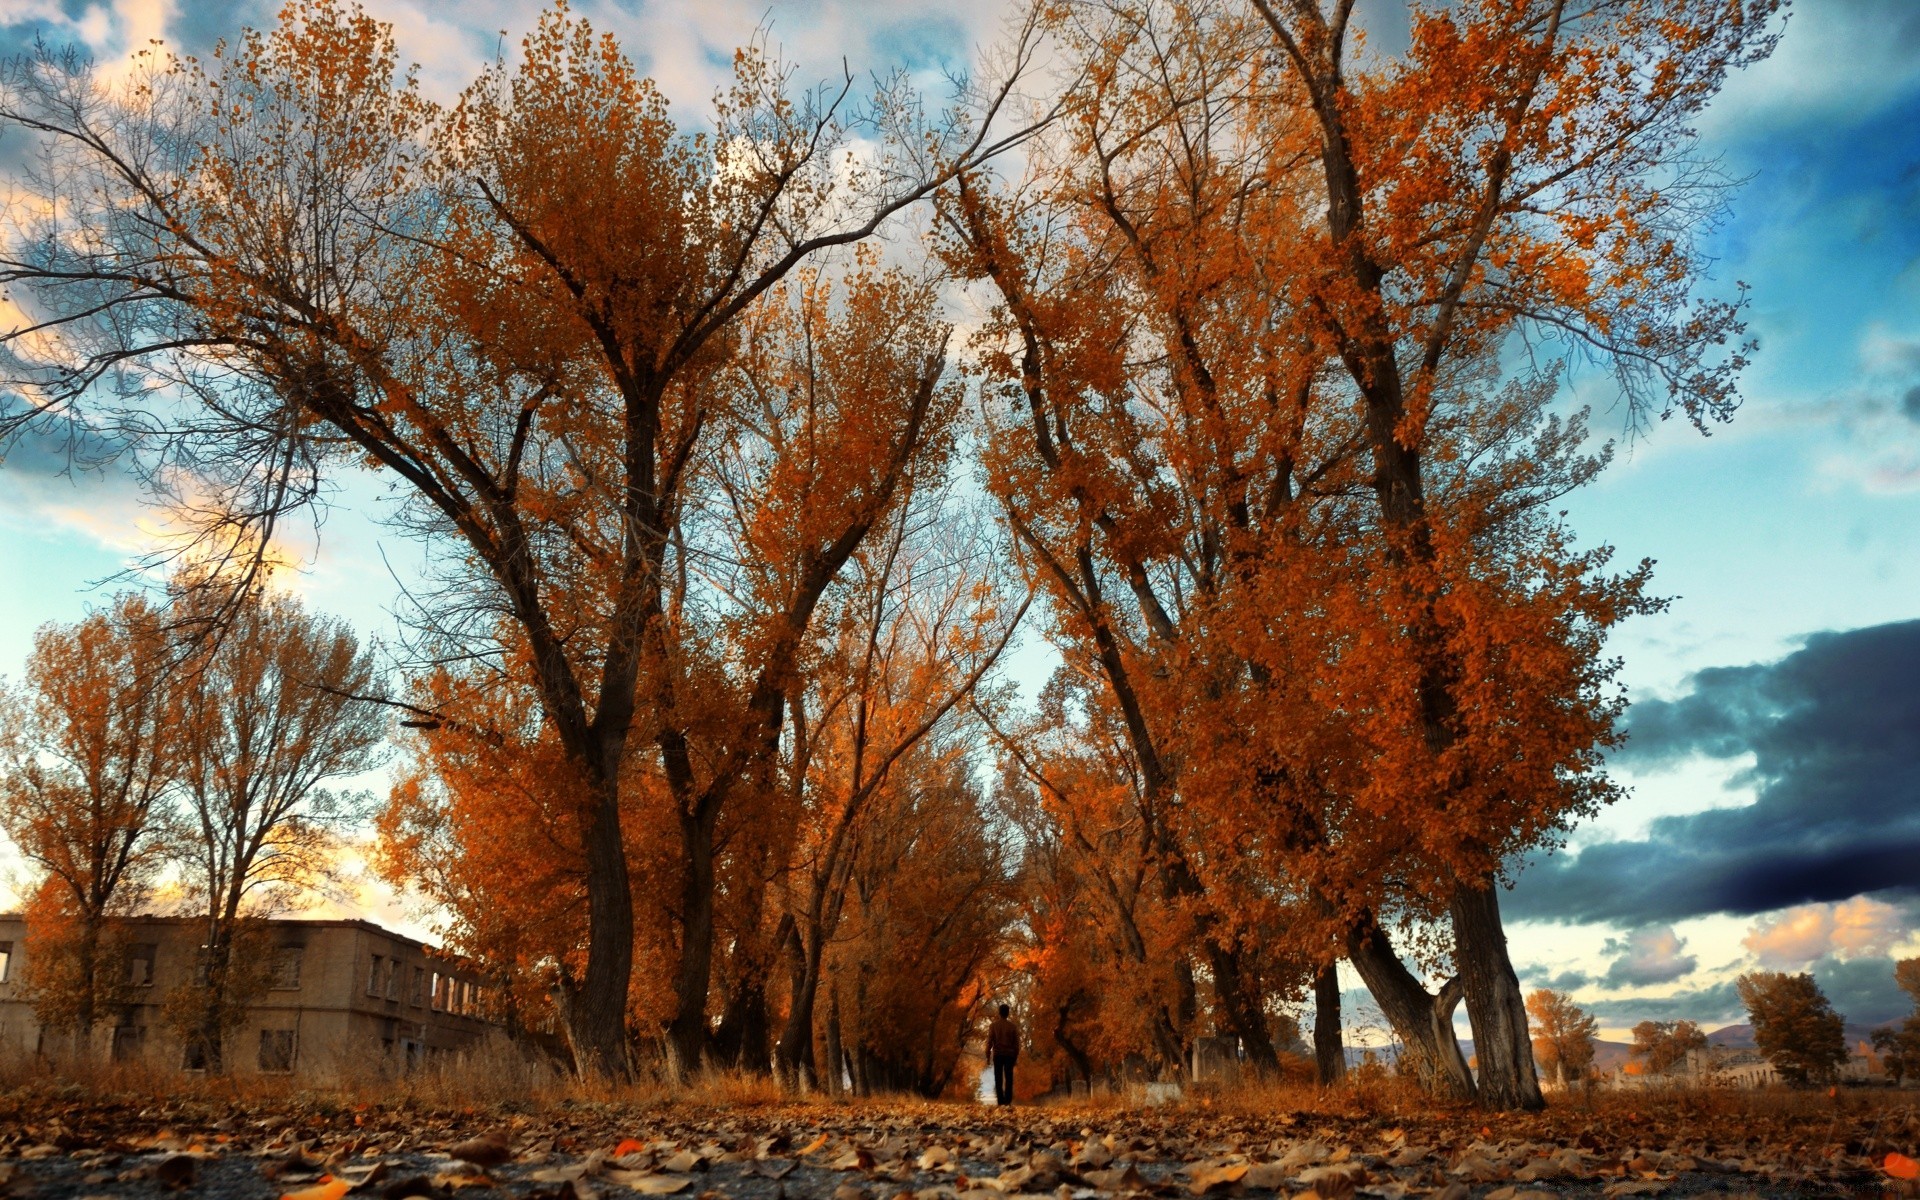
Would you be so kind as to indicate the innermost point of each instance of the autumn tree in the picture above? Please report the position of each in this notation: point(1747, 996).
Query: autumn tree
point(1899, 1045)
point(1794, 1025)
point(1562, 1035)
point(481, 820)
point(1523, 170)
point(1197, 476)
point(514, 308)
point(90, 754)
point(263, 718)
point(917, 627)
point(929, 898)
point(1153, 436)
point(1664, 1045)
point(1107, 950)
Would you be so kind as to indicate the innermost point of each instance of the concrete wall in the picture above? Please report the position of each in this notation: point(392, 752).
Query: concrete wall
point(322, 1014)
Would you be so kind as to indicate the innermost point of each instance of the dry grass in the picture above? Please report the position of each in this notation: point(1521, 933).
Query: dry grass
point(500, 1074)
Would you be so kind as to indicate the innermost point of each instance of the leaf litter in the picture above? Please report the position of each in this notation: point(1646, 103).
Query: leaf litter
point(147, 1149)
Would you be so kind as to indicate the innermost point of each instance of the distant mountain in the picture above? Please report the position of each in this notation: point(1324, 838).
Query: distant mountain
point(1610, 1056)
point(1740, 1037)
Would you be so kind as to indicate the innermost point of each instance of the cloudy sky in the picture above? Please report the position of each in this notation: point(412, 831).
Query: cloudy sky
point(1775, 758)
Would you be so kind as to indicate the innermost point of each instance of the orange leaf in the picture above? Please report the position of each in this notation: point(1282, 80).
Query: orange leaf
point(1901, 1167)
point(628, 1146)
point(328, 1188)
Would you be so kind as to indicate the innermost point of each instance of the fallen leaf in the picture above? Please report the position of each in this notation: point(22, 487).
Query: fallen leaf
point(330, 1189)
point(1117, 1179)
point(465, 1179)
point(1901, 1167)
point(1212, 1179)
point(628, 1146)
point(487, 1150)
point(1271, 1176)
point(175, 1171)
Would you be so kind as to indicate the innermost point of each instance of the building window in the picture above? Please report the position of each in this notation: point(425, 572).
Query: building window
point(439, 992)
point(129, 1043)
point(276, 1050)
point(140, 958)
point(374, 978)
point(6, 961)
point(419, 996)
point(393, 979)
point(286, 968)
point(193, 1056)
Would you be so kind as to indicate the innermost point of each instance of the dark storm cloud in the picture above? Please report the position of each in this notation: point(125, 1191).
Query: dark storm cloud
point(1834, 730)
point(1540, 975)
point(1862, 989)
point(1710, 1006)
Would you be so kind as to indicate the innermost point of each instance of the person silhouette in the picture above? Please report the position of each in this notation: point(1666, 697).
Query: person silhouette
point(1003, 1047)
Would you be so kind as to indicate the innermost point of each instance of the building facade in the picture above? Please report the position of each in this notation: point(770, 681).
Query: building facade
point(344, 997)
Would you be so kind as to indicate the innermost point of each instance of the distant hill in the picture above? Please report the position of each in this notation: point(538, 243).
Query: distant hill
point(1740, 1037)
point(1610, 1056)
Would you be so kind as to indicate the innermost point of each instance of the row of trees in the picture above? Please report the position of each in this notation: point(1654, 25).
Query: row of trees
point(132, 758)
point(1794, 1026)
point(1262, 414)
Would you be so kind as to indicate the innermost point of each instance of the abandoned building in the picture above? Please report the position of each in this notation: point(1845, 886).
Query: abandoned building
point(344, 996)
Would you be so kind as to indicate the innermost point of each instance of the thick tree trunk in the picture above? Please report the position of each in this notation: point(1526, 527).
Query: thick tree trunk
point(831, 1079)
point(1495, 1005)
point(597, 1007)
point(1243, 1011)
point(796, 1040)
point(687, 1035)
point(741, 1039)
point(1329, 1051)
point(1422, 1020)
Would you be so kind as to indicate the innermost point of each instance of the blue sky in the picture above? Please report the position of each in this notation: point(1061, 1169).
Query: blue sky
point(1800, 518)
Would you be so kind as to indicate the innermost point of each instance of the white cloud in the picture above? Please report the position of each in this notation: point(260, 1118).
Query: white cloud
point(1839, 58)
point(1653, 955)
point(1795, 937)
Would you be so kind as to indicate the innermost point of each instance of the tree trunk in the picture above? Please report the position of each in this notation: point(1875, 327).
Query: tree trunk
point(87, 1011)
point(1329, 1051)
point(211, 1034)
point(742, 1037)
point(1422, 1020)
point(1075, 1055)
point(796, 1041)
point(1495, 1005)
point(831, 1079)
point(597, 1008)
point(1243, 1011)
point(688, 1033)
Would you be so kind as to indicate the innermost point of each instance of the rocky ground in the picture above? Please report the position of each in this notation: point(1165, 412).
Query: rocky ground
point(65, 1142)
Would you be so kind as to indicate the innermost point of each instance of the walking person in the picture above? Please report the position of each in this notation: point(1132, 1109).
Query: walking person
point(1003, 1047)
